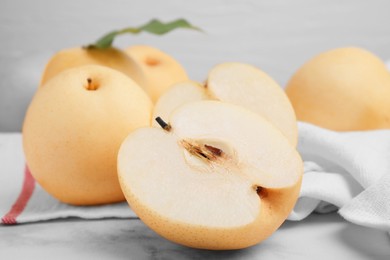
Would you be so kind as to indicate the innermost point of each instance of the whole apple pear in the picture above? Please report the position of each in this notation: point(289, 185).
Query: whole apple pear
point(160, 70)
point(74, 57)
point(74, 127)
point(343, 89)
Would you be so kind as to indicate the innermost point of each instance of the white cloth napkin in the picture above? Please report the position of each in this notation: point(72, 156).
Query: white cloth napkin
point(348, 171)
point(22, 200)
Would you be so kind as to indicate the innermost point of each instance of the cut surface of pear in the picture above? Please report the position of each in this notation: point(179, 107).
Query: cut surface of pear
point(221, 177)
point(240, 84)
point(179, 94)
point(245, 85)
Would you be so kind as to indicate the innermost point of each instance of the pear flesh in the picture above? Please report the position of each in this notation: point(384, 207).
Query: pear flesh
point(179, 94)
point(240, 84)
point(219, 177)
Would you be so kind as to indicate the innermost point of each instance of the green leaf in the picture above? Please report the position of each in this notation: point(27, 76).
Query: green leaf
point(154, 27)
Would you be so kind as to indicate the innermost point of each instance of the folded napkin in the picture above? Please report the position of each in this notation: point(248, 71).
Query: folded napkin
point(348, 172)
point(22, 200)
point(345, 171)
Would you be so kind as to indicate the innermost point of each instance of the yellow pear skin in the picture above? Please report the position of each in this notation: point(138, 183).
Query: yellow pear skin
point(74, 127)
point(344, 89)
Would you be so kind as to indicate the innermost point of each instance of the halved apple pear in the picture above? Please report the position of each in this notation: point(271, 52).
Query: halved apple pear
point(217, 176)
point(240, 84)
point(179, 94)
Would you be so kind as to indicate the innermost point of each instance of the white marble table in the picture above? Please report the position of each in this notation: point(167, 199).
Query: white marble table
point(318, 237)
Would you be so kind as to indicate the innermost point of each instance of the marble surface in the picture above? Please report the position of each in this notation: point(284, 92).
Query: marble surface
point(318, 237)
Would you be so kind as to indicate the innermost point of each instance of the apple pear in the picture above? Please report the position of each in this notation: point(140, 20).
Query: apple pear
point(79, 56)
point(214, 176)
point(74, 127)
point(159, 69)
point(343, 89)
point(240, 84)
point(179, 94)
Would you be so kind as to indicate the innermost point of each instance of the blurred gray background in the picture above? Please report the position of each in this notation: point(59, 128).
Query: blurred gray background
point(277, 36)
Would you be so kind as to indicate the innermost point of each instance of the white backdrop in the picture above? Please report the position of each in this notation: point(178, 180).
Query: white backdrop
point(277, 36)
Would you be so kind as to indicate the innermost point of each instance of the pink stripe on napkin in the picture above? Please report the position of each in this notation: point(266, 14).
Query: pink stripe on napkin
point(21, 202)
point(32, 203)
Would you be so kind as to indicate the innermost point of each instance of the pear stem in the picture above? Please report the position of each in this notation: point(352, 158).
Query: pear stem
point(91, 85)
point(163, 124)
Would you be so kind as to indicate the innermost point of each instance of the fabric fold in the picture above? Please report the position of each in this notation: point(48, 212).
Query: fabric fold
point(345, 171)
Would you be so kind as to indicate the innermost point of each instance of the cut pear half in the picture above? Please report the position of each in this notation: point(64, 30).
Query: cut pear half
point(245, 85)
point(240, 84)
point(179, 94)
point(218, 176)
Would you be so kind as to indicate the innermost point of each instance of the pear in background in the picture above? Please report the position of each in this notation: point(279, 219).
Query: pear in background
point(343, 89)
point(160, 70)
point(79, 56)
